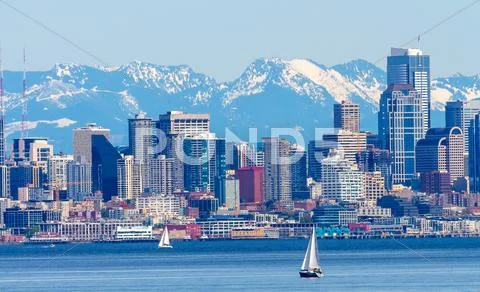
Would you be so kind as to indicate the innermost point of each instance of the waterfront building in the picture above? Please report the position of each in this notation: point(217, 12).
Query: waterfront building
point(164, 207)
point(134, 233)
point(400, 124)
point(334, 215)
point(412, 67)
point(221, 227)
point(346, 116)
point(206, 204)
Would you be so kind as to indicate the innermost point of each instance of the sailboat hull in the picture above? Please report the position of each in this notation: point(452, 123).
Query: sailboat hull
point(308, 274)
point(165, 246)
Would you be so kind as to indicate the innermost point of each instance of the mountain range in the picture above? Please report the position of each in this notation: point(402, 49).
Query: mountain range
point(271, 92)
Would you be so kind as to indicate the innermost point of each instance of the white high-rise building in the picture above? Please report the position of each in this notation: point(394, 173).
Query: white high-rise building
point(350, 143)
point(186, 124)
point(158, 173)
point(129, 178)
point(341, 179)
point(79, 179)
point(140, 137)
point(4, 181)
point(57, 172)
point(277, 170)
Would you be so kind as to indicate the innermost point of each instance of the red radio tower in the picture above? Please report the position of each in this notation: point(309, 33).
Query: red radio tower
point(24, 96)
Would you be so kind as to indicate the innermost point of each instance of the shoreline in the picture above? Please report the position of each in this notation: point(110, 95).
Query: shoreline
point(348, 238)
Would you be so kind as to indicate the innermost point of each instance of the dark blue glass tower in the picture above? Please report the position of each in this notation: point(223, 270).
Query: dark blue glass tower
point(474, 154)
point(411, 66)
point(104, 166)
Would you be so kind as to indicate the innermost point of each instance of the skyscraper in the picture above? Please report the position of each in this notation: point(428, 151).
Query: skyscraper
point(411, 66)
point(341, 179)
point(346, 116)
point(159, 175)
point(82, 141)
point(129, 178)
point(400, 125)
point(4, 181)
point(251, 184)
point(347, 142)
point(32, 149)
point(104, 166)
point(376, 160)
point(460, 114)
point(474, 154)
point(57, 172)
point(205, 165)
point(442, 149)
point(277, 170)
point(300, 188)
point(180, 123)
point(79, 180)
point(317, 150)
point(140, 137)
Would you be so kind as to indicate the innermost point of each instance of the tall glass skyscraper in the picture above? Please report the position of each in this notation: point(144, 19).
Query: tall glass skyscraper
point(400, 125)
point(474, 154)
point(411, 66)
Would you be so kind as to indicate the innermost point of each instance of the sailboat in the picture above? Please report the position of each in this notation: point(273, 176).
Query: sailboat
point(310, 266)
point(164, 240)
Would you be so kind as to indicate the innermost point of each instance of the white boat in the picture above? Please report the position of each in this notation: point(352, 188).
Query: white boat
point(165, 239)
point(310, 266)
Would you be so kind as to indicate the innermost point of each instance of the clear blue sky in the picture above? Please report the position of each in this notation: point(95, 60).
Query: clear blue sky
point(222, 37)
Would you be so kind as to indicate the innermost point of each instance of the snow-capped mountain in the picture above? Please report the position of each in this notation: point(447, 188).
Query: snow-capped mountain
point(271, 92)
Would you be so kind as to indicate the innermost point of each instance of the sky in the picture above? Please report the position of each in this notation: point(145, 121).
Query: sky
point(221, 38)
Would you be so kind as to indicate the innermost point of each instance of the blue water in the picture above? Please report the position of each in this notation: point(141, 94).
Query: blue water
point(360, 265)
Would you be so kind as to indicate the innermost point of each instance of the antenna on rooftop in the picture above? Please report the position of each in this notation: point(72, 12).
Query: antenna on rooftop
point(24, 96)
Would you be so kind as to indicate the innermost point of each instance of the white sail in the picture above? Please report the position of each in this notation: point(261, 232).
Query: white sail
point(310, 261)
point(164, 240)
